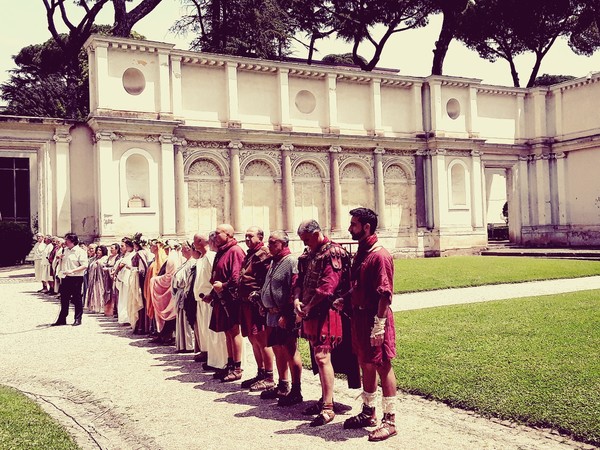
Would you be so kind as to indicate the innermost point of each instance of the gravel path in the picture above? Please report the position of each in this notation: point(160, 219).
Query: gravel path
point(113, 390)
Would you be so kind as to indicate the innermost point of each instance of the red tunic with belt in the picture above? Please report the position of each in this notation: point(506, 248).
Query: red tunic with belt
point(319, 275)
point(226, 269)
point(372, 279)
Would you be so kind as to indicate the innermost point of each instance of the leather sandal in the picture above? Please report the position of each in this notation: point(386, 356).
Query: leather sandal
point(293, 398)
point(313, 409)
point(262, 385)
point(233, 375)
point(324, 417)
point(366, 418)
point(387, 429)
point(246, 384)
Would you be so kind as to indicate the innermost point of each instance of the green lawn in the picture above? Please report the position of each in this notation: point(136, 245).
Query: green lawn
point(534, 360)
point(24, 425)
point(424, 274)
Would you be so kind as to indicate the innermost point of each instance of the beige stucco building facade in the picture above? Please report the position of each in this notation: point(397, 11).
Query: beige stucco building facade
point(178, 142)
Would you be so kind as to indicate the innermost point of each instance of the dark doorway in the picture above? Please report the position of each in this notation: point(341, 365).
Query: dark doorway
point(14, 190)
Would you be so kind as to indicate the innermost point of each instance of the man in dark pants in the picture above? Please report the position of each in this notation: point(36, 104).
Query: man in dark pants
point(74, 263)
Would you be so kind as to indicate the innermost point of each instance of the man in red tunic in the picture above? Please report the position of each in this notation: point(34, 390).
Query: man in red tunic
point(226, 311)
point(253, 324)
point(373, 332)
point(320, 272)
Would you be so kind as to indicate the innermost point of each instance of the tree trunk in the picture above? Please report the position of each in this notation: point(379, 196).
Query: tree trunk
point(443, 42)
point(124, 21)
point(513, 72)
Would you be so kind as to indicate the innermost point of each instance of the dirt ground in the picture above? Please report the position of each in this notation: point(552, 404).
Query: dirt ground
point(115, 390)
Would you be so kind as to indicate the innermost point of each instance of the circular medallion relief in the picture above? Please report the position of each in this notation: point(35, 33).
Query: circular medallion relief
point(453, 108)
point(305, 101)
point(134, 81)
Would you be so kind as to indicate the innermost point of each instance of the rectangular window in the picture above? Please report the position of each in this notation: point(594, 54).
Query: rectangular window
point(14, 189)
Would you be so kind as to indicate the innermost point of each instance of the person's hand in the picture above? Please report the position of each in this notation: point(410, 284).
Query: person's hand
point(218, 287)
point(282, 322)
point(378, 332)
point(338, 304)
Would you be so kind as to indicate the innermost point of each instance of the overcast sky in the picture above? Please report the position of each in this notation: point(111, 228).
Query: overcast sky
point(410, 52)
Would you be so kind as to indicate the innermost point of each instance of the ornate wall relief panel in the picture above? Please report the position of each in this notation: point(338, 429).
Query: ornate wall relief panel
point(399, 198)
point(206, 195)
point(261, 196)
point(310, 194)
point(357, 187)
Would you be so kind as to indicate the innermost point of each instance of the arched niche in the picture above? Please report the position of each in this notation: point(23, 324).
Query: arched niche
point(310, 192)
point(138, 174)
point(207, 199)
point(356, 181)
point(459, 185)
point(400, 201)
point(261, 203)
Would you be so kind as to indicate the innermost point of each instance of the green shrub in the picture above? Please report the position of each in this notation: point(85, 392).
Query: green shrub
point(16, 241)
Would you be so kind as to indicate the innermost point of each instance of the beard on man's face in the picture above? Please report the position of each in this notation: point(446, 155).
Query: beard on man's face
point(358, 236)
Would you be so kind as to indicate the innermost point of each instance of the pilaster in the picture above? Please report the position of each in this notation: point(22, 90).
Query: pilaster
point(108, 193)
point(477, 187)
point(331, 86)
point(520, 131)
point(435, 93)
point(176, 83)
point(164, 74)
point(439, 185)
point(231, 85)
point(284, 100)
point(473, 114)
point(376, 122)
point(336, 189)
point(542, 179)
point(523, 191)
point(379, 186)
point(417, 104)
point(180, 197)
point(287, 187)
point(62, 190)
point(236, 184)
point(167, 183)
point(560, 184)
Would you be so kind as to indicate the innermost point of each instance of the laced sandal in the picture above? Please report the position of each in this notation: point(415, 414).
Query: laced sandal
point(313, 409)
point(262, 385)
point(366, 418)
point(233, 375)
point(248, 383)
point(325, 416)
point(293, 398)
point(281, 390)
point(387, 429)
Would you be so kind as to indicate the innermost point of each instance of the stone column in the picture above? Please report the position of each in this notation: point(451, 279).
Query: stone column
point(287, 188)
point(108, 192)
point(62, 188)
point(180, 197)
point(231, 88)
point(167, 184)
point(336, 189)
point(477, 186)
point(236, 184)
point(379, 186)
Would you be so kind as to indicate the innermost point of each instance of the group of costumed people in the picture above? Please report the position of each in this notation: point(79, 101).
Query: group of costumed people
point(206, 295)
